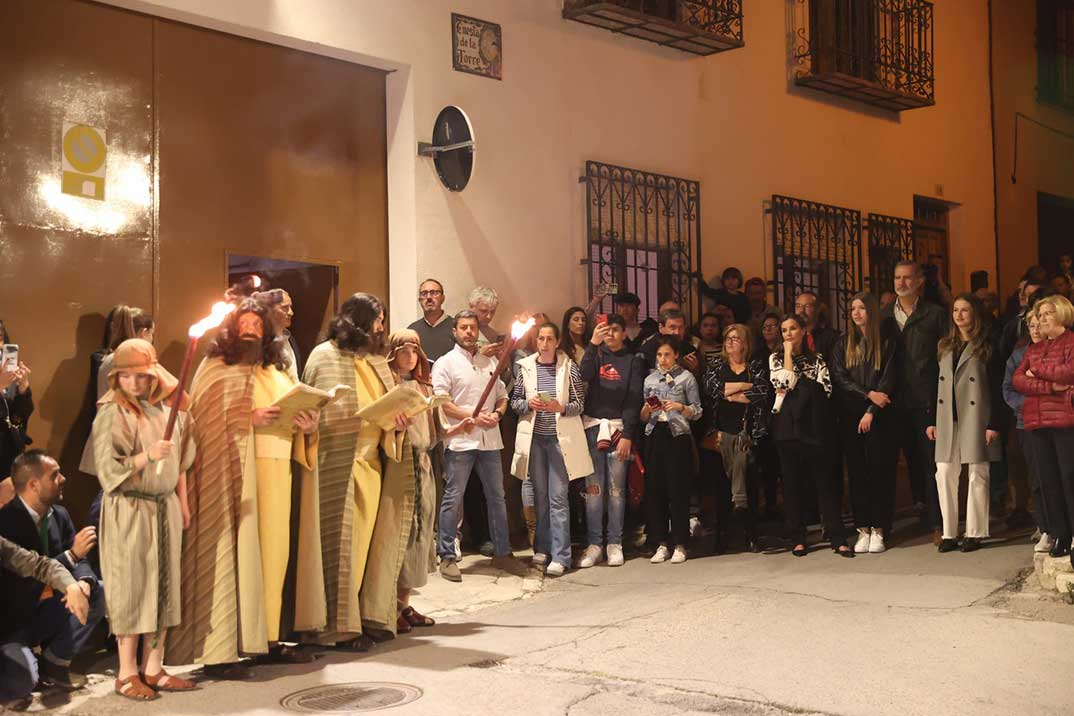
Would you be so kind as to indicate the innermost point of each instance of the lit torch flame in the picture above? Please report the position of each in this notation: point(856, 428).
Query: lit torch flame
point(214, 319)
point(255, 280)
point(519, 329)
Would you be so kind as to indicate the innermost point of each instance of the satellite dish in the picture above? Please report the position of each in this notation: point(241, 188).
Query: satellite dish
point(452, 148)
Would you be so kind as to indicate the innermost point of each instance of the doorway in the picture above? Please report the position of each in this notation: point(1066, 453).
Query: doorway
point(313, 287)
point(1055, 229)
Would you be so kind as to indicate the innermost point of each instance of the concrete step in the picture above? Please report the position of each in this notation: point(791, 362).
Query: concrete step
point(1054, 572)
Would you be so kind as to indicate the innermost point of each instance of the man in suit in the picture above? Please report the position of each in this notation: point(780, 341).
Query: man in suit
point(31, 613)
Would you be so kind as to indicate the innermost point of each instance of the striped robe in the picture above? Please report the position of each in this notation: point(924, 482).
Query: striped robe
point(222, 604)
point(374, 600)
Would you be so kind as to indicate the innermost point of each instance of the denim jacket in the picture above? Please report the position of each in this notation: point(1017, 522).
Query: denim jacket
point(678, 385)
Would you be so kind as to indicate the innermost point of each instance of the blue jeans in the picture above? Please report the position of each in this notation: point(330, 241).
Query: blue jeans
point(18, 671)
point(457, 468)
point(548, 473)
point(605, 490)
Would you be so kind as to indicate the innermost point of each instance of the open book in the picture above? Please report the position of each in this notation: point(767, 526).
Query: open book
point(399, 400)
point(304, 397)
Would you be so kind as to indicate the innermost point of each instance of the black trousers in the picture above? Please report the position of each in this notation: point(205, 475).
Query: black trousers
point(871, 463)
point(803, 464)
point(768, 462)
point(1025, 440)
point(920, 455)
point(1053, 455)
point(668, 477)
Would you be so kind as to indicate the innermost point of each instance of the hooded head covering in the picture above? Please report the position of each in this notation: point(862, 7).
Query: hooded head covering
point(407, 337)
point(139, 356)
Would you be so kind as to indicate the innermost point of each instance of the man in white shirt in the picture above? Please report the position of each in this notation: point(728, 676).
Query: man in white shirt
point(463, 374)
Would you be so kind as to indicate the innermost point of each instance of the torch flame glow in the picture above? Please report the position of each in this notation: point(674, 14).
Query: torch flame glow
point(255, 280)
point(214, 319)
point(519, 329)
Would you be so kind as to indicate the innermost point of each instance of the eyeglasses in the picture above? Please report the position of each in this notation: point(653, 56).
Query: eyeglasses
point(733, 339)
point(429, 294)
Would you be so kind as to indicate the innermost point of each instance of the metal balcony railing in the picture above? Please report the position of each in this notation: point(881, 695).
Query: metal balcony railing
point(701, 27)
point(879, 52)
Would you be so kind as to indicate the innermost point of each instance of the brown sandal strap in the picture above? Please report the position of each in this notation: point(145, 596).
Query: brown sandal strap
point(414, 618)
point(135, 689)
point(174, 683)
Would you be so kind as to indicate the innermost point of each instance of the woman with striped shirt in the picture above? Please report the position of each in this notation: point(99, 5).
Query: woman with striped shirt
point(550, 447)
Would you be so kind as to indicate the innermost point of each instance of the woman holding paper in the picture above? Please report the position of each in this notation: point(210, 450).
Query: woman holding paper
point(550, 447)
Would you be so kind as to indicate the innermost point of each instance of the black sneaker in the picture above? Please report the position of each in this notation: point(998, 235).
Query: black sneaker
point(61, 676)
point(971, 544)
point(948, 545)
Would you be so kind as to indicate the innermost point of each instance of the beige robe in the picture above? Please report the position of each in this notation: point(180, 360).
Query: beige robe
point(357, 591)
point(420, 557)
point(140, 548)
point(223, 611)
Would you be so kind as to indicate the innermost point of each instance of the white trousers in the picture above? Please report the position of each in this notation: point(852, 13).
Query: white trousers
point(977, 498)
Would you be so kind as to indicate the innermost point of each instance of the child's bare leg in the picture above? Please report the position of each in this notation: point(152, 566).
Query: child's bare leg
point(153, 656)
point(128, 655)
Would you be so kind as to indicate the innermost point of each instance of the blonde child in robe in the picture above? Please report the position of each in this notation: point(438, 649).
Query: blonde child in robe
point(143, 514)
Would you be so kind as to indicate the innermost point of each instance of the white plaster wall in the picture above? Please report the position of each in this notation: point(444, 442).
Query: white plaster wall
point(572, 92)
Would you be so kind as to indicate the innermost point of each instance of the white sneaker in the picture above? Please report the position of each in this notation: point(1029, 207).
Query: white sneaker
point(555, 569)
point(862, 545)
point(592, 555)
point(661, 554)
point(679, 555)
point(876, 543)
point(458, 549)
point(695, 527)
point(615, 555)
point(540, 559)
point(1045, 544)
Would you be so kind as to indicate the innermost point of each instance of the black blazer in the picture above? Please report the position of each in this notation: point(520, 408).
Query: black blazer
point(852, 385)
point(19, 595)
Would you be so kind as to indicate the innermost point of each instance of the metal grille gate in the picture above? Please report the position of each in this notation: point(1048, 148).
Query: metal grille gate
point(644, 234)
point(816, 247)
point(891, 240)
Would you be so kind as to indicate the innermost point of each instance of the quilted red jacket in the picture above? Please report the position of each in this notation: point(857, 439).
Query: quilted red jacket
point(1051, 362)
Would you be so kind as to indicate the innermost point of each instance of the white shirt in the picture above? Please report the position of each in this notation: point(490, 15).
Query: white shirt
point(902, 316)
point(464, 377)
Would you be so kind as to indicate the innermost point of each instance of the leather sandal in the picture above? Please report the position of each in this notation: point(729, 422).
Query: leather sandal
point(360, 643)
point(415, 619)
point(135, 689)
point(402, 626)
point(286, 654)
point(166, 682)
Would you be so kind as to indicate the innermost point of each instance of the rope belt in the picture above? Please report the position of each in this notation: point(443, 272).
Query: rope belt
point(163, 583)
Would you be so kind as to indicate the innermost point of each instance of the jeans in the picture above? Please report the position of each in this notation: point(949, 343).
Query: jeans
point(605, 491)
point(1041, 512)
point(736, 463)
point(920, 455)
point(457, 467)
point(18, 671)
point(548, 475)
point(529, 494)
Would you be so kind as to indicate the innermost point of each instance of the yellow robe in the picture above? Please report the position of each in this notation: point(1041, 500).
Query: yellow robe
point(366, 469)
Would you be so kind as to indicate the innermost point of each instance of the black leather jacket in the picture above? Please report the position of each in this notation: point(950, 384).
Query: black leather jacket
point(852, 385)
point(915, 354)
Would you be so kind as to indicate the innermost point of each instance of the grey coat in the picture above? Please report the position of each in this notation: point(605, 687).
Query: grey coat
point(973, 390)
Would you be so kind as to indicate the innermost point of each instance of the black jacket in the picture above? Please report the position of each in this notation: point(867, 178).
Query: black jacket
point(852, 385)
point(759, 407)
point(15, 411)
point(825, 341)
point(915, 354)
point(804, 416)
point(19, 595)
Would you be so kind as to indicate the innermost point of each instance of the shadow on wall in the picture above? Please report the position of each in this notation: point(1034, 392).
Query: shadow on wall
point(68, 440)
point(480, 253)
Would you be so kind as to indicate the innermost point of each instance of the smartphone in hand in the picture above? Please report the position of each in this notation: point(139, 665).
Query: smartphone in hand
point(602, 318)
point(654, 403)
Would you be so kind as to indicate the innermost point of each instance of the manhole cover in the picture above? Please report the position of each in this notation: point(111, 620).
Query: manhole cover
point(357, 697)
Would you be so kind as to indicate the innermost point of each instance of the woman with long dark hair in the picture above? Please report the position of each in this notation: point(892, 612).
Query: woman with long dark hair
point(574, 333)
point(800, 430)
point(967, 420)
point(863, 372)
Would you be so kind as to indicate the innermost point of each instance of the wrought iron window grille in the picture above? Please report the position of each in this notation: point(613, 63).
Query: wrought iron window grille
point(701, 27)
point(891, 240)
point(1055, 53)
point(879, 52)
point(643, 233)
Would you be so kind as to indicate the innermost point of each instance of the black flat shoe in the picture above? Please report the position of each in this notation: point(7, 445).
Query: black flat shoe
point(971, 544)
point(801, 551)
point(1061, 548)
point(948, 545)
point(844, 552)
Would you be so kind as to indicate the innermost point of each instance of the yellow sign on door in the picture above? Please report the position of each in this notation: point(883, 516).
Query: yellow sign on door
point(85, 155)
